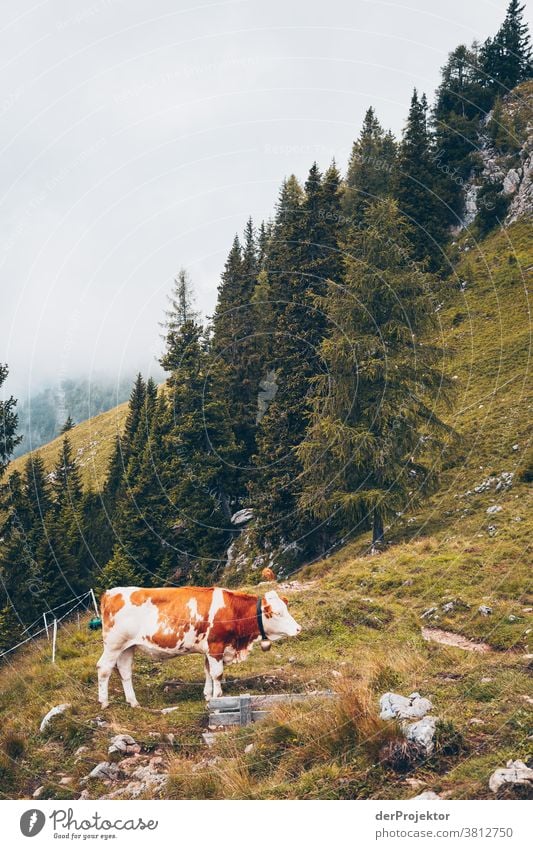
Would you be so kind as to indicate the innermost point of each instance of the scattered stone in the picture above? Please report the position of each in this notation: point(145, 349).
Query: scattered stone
point(427, 794)
point(422, 733)
point(429, 613)
point(496, 508)
point(492, 530)
point(209, 738)
point(486, 680)
point(336, 674)
point(484, 609)
point(123, 744)
point(55, 711)
point(249, 748)
point(516, 446)
point(80, 751)
point(67, 779)
point(242, 516)
point(84, 794)
point(516, 772)
point(476, 721)
point(105, 770)
point(37, 793)
point(394, 706)
point(512, 618)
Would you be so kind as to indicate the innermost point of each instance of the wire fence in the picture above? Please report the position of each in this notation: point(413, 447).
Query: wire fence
point(86, 598)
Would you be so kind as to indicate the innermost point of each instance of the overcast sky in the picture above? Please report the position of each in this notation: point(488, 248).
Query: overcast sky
point(137, 137)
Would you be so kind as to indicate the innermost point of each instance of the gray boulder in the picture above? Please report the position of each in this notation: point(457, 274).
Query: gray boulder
point(422, 733)
point(394, 706)
point(516, 772)
point(55, 711)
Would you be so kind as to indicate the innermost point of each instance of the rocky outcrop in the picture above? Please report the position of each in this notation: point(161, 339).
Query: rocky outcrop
point(515, 773)
point(513, 166)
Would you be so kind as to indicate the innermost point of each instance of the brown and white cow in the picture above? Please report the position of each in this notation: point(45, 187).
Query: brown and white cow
point(220, 624)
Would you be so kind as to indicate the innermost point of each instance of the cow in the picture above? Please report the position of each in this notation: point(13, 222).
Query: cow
point(267, 574)
point(221, 624)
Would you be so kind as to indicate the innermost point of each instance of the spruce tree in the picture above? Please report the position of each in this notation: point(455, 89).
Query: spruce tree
point(181, 310)
point(68, 425)
point(372, 420)
point(306, 240)
point(371, 169)
point(419, 186)
point(507, 58)
point(8, 424)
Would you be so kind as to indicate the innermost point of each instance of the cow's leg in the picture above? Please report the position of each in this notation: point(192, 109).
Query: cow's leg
point(105, 666)
point(208, 688)
point(124, 664)
point(216, 668)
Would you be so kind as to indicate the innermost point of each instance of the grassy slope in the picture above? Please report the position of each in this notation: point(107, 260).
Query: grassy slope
point(92, 442)
point(361, 616)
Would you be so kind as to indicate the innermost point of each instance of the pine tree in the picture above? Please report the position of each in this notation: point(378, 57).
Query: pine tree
point(134, 416)
point(68, 425)
point(8, 424)
point(507, 58)
point(419, 187)
point(462, 100)
point(181, 310)
point(371, 169)
point(372, 421)
point(306, 239)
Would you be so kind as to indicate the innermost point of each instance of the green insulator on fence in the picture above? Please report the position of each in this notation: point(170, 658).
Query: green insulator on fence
point(95, 623)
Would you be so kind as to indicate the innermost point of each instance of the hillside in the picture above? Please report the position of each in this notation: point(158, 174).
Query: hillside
point(92, 443)
point(370, 623)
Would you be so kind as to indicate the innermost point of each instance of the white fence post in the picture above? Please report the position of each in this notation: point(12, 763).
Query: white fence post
point(94, 602)
point(54, 639)
point(46, 626)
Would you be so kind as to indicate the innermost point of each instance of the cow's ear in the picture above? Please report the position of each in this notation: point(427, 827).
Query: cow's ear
point(286, 600)
point(267, 610)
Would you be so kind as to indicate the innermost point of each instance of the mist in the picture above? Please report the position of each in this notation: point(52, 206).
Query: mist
point(137, 138)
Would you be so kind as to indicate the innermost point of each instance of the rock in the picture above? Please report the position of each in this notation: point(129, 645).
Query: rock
point(476, 721)
point(249, 748)
point(336, 674)
point(492, 530)
point(242, 516)
point(422, 733)
point(105, 770)
point(484, 609)
point(84, 795)
point(427, 794)
point(516, 446)
point(209, 738)
point(67, 779)
point(394, 706)
point(429, 613)
point(55, 711)
point(123, 744)
point(37, 793)
point(516, 772)
point(80, 751)
point(494, 509)
point(511, 182)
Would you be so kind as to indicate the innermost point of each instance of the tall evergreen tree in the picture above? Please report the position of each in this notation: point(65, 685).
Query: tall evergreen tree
point(419, 188)
point(507, 58)
point(8, 424)
point(372, 420)
point(306, 240)
point(371, 169)
point(181, 310)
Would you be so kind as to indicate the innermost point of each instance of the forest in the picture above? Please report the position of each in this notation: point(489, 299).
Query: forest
point(312, 398)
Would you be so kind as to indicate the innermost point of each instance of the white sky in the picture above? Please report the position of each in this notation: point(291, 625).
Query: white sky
point(137, 137)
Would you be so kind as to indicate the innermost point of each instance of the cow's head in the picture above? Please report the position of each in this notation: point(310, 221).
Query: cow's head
point(277, 621)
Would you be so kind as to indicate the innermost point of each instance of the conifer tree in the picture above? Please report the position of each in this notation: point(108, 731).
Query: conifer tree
point(419, 186)
point(371, 169)
point(507, 58)
point(309, 245)
point(8, 424)
point(68, 425)
point(372, 421)
point(181, 310)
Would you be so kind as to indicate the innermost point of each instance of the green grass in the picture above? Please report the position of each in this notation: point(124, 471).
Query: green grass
point(361, 616)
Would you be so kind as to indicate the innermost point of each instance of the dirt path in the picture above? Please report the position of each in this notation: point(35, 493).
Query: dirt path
point(448, 638)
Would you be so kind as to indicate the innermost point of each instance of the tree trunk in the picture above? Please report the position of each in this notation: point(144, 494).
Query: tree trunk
point(377, 528)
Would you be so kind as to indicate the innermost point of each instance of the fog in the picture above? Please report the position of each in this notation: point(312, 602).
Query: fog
point(137, 137)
